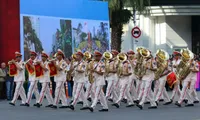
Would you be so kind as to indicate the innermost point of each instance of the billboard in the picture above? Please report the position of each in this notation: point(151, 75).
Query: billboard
point(50, 27)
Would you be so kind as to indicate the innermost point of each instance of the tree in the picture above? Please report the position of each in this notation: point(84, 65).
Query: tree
point(119, 16)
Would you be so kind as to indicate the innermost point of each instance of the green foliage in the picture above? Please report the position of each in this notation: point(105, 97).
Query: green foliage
point(119, 16)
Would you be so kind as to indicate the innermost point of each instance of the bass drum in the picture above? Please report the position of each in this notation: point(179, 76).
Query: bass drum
point(171, 79)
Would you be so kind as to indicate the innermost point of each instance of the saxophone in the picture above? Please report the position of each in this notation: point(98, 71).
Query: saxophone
point(183, 69)
point(162, 63)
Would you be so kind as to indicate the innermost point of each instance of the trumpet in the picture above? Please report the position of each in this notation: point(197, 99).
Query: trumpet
point(11, 61)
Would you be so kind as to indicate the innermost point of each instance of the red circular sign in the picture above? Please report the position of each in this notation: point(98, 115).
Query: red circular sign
point(136, 32)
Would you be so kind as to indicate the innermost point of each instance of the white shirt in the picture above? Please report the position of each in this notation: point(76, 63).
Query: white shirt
point(80, 77)
point(99, 79)
point(193, 75)
point(175, 62)
point(61, 76)
point(20, 76)
point(149, 76)
point(46, 76)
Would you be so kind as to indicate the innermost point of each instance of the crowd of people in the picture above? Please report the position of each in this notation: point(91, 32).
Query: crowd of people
point(134, 78)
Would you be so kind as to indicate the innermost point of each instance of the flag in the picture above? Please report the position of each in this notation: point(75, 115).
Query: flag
point(38, 70)
point(53, 70)
point(29, 68)
point(12, 69)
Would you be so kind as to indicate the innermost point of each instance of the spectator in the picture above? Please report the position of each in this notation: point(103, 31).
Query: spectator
point(9, 85)
point(2, 80)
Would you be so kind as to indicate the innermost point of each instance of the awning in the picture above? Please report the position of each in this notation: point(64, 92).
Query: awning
point(178, 43)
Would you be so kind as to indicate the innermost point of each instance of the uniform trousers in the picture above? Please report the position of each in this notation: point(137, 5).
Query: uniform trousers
point(146, 85)
point(184, 93)
point(45, 92)
point(74, 91)
point(176, 91)
point(60, 93)
point(33, 89)
point(99, 95)
point(192, 90)
point(90, 91)
point(161, 91)
point(124, 91)
point(19, 91)
point(79, 93)
point(132, 89)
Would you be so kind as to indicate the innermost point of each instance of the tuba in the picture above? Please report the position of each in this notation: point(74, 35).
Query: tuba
point(138, 61)
point(121, 57)
point(107, 56)
point(162, 63)
point(183, 69)
point(140, 67)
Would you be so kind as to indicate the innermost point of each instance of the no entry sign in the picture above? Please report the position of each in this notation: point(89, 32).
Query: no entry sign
point(136, 32)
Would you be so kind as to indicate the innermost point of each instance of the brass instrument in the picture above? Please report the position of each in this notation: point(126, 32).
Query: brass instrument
point(140, 68)
point(183, 69)
point(139, 61)
point(162, 63)
point(121, 58)
point(69, 72)
point(87, 55)
point(107, 56)
point(90, 68)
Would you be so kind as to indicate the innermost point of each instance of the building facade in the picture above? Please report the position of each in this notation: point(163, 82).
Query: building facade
point(171, 25)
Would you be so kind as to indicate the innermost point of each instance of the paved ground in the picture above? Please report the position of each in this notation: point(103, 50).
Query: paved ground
point(170, 112)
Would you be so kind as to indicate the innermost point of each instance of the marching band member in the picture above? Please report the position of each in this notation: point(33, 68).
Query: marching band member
point(110, 73)
point(45, 80)
point(32, 79)
point(19, 78)
point(176, 91)
point(79, 76)
point(184, 76)
point(147, 78)
point(113, 92)
point(131, 85)
point(99, 82)
point(163, 69)
point(193, 74)
point(89, 93)
point(124, 72)
point(60, 79)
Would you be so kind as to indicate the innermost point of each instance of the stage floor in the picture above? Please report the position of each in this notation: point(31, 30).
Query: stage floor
point(170, 112)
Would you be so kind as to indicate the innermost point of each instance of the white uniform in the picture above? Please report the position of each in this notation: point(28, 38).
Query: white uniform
point(60, 79)
point(32, 88)
point(80, 80)
point(123, 83)
point(45, 80)
point(176, 91)
point(131, 85)
point(189, 81)
point(146, 84)
point(19, 79)
point(160, 85)
point(193, 75)
point(98, 84)
point(90, 89)
point(112, 80)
